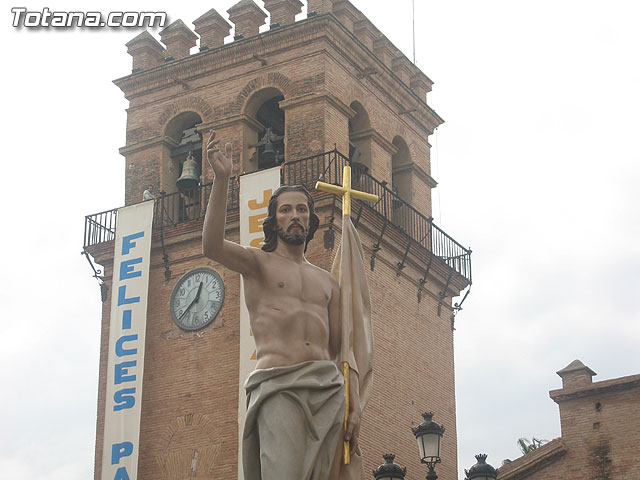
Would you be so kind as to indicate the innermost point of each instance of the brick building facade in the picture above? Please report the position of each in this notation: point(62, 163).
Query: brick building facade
point(600, 425)
point(329, 82)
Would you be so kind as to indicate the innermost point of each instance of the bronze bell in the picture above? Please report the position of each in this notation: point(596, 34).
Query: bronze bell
point(189, 178)
point(269, 152)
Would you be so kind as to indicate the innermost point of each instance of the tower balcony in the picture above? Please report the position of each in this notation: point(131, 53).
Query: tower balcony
point(390, 216)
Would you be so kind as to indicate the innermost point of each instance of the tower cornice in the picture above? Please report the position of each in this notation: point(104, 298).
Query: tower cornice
point(321, 27)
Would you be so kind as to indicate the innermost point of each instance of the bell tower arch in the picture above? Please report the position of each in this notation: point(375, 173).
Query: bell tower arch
point(182, 141)
point(359, 137)
point(400, 176)
point(264, 147)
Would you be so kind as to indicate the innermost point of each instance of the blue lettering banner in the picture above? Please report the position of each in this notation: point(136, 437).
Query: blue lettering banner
point(127, 328)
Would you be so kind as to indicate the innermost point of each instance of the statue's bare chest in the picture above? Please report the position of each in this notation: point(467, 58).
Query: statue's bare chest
point(285, 280)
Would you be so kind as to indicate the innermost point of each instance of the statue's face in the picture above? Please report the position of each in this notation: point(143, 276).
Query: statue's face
point(292, 217)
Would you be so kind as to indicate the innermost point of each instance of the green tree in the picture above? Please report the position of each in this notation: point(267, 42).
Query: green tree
point(528, 446)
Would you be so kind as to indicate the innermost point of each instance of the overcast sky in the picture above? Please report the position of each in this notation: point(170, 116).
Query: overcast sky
point(538, 168)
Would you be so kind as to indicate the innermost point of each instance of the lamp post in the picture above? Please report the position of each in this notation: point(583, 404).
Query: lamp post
point(429, 434)
point(389, 470)
point(481, 470)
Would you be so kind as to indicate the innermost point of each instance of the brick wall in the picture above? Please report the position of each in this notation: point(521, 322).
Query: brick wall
point(602, 432)
point(600, 425)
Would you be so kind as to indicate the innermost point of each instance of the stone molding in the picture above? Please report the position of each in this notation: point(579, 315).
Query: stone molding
point(147, 143)
point(606, 386)
point(317, 97)
point(372, 134)
point(229, 121)
point(418, 171)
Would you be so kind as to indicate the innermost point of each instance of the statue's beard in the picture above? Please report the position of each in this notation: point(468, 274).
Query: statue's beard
point(293, 238)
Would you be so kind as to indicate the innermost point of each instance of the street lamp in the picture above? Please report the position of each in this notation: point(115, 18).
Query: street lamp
point(481, 470)
point(429, 434)
point(389, 470)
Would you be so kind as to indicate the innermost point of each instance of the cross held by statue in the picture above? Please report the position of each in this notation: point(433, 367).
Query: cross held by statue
point(346, 192)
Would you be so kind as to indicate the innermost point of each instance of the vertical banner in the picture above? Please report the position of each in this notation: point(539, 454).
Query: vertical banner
point(255, 191)
point(125, 363)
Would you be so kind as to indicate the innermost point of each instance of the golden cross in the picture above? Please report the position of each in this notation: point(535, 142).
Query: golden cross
point(346, 191)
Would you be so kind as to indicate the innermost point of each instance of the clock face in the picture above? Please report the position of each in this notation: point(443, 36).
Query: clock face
point(197, 298)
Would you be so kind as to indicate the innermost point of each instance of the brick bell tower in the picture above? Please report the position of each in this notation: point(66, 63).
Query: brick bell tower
point(309, 95)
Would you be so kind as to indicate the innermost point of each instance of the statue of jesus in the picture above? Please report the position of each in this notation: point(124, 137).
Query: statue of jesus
point(295, 397)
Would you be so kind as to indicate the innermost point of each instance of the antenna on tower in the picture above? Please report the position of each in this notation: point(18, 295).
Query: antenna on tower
point(413, 23)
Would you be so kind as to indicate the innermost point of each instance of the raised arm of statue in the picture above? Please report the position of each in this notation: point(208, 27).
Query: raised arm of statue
point(214, 246)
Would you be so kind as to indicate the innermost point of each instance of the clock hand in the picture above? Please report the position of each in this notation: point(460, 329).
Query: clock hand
point(198, 293)
point(196, 298)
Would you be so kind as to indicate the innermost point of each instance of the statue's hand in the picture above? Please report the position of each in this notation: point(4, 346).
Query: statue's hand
point(353, 428)
point(221, 164)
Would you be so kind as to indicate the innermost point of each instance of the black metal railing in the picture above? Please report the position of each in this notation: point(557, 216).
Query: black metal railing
point(422, 230)
point(100, 227)
point(180, 207)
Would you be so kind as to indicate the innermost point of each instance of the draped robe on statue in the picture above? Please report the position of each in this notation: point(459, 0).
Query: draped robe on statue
point(294, 418)
point(295, 413)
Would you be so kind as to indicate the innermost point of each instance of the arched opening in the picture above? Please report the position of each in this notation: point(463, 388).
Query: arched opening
point(265, 141)
point(360, 138)
point(182, 174)
point(401, 170)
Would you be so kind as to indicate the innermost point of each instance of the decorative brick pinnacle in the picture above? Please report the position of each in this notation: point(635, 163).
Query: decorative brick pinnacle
point(146, 51)
point(212, 28)
point(366, 32)
point(247, 17)
point(420, 84)
point(283, 12)
point(210, 17)
point(246, 6)
point(179, 39)
point(144, 38)
point(320, 6)
point(403, 68)
point(177, 29)
point(346, 13)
